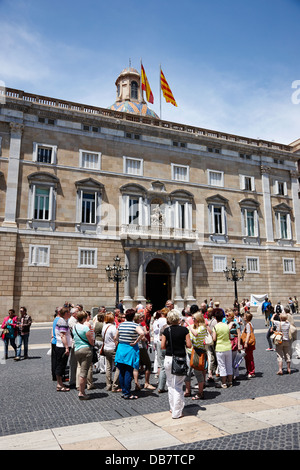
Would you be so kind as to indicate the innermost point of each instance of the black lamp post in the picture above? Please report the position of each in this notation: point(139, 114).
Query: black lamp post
point(234, 274)
point(117, 274)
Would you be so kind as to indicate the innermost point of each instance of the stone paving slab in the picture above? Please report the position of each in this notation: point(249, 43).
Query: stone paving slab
point(159, 431)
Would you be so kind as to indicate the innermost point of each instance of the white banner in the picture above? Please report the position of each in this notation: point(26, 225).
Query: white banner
point(257, 300)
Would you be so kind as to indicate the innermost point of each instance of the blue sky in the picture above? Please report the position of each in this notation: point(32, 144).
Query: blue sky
point(231, 64)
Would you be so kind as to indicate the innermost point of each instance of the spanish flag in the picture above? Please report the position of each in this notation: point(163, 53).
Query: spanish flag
point(146, 86)
point(166, 90)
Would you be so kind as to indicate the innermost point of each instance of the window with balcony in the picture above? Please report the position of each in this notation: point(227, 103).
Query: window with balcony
point(42, 200)
point(88, 205)
point(217, 218)
point(283, 223)
point(250, 221)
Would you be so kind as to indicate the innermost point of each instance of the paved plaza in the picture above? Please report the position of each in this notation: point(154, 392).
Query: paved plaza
point(262, 413)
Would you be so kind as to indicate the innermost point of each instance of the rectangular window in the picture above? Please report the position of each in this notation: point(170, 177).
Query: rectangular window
point(44, 155)
point(250, 223)
point(289, 266)
point(87, 258)
point(283, 226)
point(88, 213)
point(281, 188)
point(215, 178)
point(39, 255)
point(90, 160)
point(133, 211)
point(180, 172)
point(41, 204)
point(133, 166)
point(218, 226)
point(281, 191)
point(219, 263)
point(252, 265)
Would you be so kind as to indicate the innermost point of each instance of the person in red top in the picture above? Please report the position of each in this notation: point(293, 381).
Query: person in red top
point(10, 331)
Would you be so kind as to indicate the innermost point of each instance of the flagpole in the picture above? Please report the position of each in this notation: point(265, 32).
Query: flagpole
point(160, 90)
point(141, 90)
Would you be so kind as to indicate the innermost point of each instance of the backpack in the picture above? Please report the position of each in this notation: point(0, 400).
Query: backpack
point(278, 309)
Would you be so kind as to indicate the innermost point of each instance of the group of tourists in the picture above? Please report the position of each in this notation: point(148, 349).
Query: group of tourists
point(123, 340)
point(206, 341)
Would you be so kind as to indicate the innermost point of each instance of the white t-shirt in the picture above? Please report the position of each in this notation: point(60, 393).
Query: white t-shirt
point(157, 326)
point(284, 327)
point(109, 344)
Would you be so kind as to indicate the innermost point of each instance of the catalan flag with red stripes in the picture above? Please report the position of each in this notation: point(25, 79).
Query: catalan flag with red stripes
point(146, 86)
point(166, 90)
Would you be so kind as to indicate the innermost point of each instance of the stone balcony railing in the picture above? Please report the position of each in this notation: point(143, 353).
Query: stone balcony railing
point(157, 232)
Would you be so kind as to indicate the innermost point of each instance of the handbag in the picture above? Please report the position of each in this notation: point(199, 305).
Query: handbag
point(208, 340)
point(197, 360)
point(277, 336)
point(101, 352)
point(251, 341)
point(95, 355)
point(179, 365)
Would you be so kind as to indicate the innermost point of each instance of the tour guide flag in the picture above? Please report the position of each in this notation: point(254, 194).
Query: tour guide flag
point(146, 86)
point(166, 90)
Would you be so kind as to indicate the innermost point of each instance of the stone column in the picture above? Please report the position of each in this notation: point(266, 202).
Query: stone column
point(190, 297)
point(265, 171)
point(140, 296)
point(178, 297)
point(127, 298)
point(296, 203)
point(16, 130)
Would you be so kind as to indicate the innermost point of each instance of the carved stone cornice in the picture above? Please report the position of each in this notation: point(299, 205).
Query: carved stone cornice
point(265, 170)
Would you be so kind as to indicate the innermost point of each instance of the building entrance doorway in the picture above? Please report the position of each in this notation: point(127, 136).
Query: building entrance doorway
point(158, 283)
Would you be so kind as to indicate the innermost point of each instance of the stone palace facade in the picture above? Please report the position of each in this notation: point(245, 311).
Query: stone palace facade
point(81, 184)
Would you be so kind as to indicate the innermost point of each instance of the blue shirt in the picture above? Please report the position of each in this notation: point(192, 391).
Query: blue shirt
point(79, 333)
point(53, 329)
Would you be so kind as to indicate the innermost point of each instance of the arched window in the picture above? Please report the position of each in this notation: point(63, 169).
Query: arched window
point(134, 90)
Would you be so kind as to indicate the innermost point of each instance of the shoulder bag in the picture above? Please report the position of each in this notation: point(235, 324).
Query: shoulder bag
point(179, 364)
point(251, 341)
point(277, 336)
point(95, 355)
point(101, 352)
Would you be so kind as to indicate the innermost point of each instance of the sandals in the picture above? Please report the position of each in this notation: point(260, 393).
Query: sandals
point(83, 397)
point(149, 387)
point(130, 397)
point(187, 394)
point(198, 397)
point(62, 389)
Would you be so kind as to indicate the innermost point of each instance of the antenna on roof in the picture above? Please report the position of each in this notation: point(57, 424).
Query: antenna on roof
point(129, 63)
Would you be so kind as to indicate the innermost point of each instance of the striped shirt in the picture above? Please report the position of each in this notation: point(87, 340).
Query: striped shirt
point(127, 333)
point(197, 341)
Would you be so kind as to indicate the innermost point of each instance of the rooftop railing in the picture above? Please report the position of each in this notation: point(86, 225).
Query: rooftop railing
point(94, 110)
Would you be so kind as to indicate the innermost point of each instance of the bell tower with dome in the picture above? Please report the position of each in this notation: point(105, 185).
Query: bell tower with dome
point(129, 95)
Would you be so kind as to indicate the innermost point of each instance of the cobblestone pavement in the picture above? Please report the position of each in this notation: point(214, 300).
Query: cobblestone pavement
point(30, 402)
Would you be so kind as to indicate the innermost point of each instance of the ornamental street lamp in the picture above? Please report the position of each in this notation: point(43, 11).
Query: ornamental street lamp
point(117, 274)
point(234, 274)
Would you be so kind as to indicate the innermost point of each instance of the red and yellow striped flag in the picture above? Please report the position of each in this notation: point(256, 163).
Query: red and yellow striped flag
point(166, 90)
point(146, 86)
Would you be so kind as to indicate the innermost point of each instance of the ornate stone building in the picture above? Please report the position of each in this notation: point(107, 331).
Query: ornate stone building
point(81, 184)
